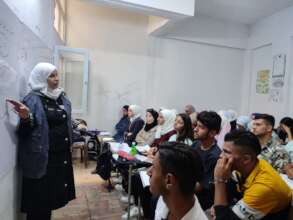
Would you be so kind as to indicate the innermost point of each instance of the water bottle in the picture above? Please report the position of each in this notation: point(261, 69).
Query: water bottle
point(133, 150)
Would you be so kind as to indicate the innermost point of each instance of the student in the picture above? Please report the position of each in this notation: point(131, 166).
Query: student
point(146, 136)
point(136, 124)
point(189, 109)
point(165, 128)
point(45, 136)
point(208, 126)
point(265, 194)
point(272, 152)
point(193, 118)
point(183, 128)
point(242, 123)
point(122, 126)
point(175, 170)
point(164, 131)
point(286, 134)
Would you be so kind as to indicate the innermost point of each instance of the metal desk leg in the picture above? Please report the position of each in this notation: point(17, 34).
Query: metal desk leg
point(129, 190)
point(139, 205)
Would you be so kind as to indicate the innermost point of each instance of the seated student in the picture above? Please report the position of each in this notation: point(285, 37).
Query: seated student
point(242, 123)
point(165, 128)
point(189, 109)
point(193, 118)
point(183, 128)
point(272, 152)
point(265, 194)
point(208, 126)
point(175, 170)
point(147, 134)
point(285, 134)
point(136, 124)
point(122, 126)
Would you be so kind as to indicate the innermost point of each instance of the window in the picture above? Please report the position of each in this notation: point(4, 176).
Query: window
point(60, 18)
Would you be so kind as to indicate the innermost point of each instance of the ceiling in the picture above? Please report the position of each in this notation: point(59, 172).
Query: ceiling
point(240, 11)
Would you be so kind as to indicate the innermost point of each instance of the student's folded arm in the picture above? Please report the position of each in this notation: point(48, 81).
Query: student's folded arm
point(225, 213)
point(239, 211)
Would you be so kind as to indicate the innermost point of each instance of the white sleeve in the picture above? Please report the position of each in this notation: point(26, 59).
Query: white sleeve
point(243, 211)
point(173, 137)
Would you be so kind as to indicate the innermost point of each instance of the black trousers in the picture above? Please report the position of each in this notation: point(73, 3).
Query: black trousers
point(39, 215)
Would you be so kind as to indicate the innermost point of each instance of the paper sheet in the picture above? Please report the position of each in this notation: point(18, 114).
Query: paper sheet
point(143, 158)
point(115, 147)
point(145, 178)
point(143, 149)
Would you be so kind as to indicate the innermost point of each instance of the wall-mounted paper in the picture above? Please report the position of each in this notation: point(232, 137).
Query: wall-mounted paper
point(279, 65)
point(263, 82)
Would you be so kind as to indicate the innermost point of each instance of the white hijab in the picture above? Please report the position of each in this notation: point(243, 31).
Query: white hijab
point(38, 80)
point(136, 112)
point(169, 117)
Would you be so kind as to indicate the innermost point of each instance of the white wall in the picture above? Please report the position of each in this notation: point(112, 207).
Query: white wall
point(128, 66)
point(271, 36)
point(203, 29)
point(204, 75)
point(38, 16)
point(118, 44)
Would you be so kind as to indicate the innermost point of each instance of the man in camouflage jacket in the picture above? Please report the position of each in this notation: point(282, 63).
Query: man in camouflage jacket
point(272, 152)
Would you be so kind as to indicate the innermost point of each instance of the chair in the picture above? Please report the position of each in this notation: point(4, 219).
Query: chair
point(80, 143)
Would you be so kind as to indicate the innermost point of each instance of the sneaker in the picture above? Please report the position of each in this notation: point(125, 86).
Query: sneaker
point(133, 213)
point(124, 199)
point(117, 180)
point(119, 187)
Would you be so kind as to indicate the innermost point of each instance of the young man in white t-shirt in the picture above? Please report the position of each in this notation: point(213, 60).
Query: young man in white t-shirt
point(176, 169)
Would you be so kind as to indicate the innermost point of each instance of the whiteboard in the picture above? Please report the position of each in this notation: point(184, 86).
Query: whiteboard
point(20, 50)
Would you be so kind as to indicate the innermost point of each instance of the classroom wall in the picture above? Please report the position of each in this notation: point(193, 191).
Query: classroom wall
point(268, 37)
point(38, 16)
point(129, 66)
point(118, 48)
point(27, 37)
point(204, 75)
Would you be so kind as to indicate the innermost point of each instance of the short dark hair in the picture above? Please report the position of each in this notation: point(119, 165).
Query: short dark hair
point(210, 119)
point(245, 140)
point(126, 107)
point(187, 131)
point(288, 122)
point(268, 118)
point(183, 162)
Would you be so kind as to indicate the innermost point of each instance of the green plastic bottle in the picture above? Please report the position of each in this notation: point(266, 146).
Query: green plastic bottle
point(133, 150)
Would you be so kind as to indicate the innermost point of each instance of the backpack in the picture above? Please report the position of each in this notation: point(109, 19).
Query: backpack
point(104, 164)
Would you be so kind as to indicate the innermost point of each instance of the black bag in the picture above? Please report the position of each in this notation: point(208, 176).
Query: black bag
point(104, 164)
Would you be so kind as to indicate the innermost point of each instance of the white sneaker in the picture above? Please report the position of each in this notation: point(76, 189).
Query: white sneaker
point(119, 187)
point(124, 199)
point(133, 213)
point(117, 180)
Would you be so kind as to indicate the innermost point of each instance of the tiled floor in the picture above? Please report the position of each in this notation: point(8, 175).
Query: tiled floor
point(93, 201)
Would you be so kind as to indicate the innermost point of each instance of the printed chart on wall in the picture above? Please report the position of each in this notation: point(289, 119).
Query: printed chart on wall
point(263, 82)
point(276, 93)
point(20, 50)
